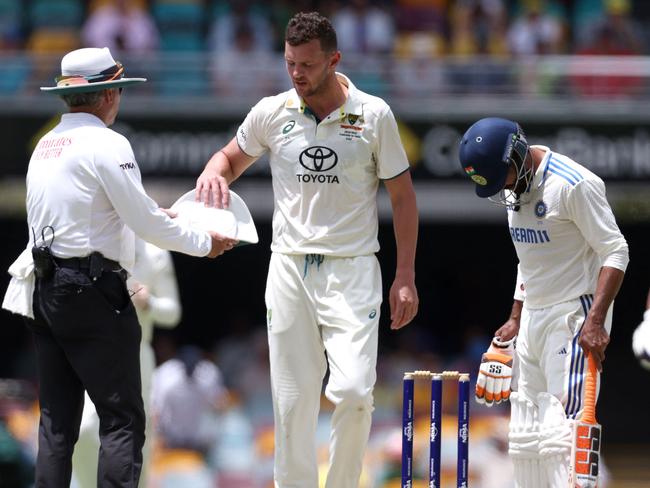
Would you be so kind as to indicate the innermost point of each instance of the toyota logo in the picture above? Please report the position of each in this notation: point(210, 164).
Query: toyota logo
point(318, 158)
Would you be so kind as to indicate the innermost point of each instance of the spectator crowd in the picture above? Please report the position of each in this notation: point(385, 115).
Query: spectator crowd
point(404, 27)
point(244, 39)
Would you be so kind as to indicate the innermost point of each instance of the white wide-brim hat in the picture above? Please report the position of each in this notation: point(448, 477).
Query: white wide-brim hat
point(235, 221)
point(90, 69)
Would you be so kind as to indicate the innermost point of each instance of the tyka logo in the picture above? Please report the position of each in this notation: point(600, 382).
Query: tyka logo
point(318, 158)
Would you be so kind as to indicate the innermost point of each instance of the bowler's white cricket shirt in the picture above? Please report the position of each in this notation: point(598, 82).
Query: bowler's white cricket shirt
point(84, 182)
point(565, 234)
point(325, 175)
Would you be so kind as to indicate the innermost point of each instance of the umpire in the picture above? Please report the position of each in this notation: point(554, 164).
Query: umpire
point(85, 201)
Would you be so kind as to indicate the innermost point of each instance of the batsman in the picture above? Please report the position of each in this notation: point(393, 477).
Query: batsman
point(572, 259)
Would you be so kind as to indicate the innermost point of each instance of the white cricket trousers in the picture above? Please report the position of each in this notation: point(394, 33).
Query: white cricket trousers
point(551, 367)
point(322, 311)
point(549, 356)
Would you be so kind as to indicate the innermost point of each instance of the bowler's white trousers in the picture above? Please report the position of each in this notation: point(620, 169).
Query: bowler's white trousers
point(322, 311)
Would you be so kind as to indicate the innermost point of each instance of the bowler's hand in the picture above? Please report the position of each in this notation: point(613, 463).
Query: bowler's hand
point(170, 213)
point(403, 300)
point(220, 244)
point(594, 340)
point(212, 189)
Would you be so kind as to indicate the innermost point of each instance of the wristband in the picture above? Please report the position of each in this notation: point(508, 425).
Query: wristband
point(503, 344)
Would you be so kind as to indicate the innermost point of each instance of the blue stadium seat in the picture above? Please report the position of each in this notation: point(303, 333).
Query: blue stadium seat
point(55, 13)
point(372, 83)
point(181, 41)
point(10, 22)
point(178, 13)
point(182, 81)
point(181, 24)
point(14, 72)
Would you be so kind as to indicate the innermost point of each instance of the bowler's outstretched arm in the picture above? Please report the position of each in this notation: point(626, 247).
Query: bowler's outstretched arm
point(224, 167)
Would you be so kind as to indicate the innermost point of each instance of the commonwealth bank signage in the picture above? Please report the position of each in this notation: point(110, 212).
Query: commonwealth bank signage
point(172, 147)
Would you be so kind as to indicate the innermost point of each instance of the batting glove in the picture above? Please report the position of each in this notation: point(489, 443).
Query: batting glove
point(495, 373)
point(641, 341)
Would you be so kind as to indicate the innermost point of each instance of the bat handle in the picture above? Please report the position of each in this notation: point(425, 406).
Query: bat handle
point(591, 381)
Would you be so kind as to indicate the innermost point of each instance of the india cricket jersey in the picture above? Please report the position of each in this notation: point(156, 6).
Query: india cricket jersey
point(565, 234)
point(325, 174)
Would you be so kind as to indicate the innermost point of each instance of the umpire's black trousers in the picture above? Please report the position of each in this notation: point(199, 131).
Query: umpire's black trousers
point(87, 337)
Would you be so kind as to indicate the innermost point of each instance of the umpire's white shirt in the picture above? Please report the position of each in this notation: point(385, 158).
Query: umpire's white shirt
point(83, 182)
point(325, 176)
point(564, 235)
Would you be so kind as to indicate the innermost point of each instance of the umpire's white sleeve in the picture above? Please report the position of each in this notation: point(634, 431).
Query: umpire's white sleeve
point(587, 205)
point(120, 177)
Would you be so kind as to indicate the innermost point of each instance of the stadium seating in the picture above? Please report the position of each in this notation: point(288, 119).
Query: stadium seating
point(180, 24)
point(14, 70)
point(10, 23)
point(55, 13)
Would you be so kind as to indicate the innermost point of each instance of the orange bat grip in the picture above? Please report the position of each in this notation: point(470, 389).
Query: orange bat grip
point(589, 412)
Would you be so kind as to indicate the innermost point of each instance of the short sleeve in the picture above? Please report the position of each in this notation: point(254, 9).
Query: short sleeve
point(520, 287)
point(251, 134)
point(391, 157)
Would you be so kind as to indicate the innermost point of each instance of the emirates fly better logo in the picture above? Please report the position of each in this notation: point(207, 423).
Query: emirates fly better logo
point(318, 159)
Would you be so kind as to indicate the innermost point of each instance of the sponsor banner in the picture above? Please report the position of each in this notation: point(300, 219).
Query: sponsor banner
point(168, 147)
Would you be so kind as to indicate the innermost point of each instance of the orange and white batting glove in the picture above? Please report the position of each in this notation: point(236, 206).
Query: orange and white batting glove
point(495, 373)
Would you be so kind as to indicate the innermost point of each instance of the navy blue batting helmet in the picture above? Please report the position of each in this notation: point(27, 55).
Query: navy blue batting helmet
point(487, 150)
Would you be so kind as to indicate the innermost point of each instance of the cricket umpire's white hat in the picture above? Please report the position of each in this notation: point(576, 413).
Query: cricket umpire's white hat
point(235, 221)
point(90, 69)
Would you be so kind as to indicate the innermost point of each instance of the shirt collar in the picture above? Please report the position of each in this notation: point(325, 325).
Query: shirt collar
point(542, 169)
point(82, 118)
point(352, 105)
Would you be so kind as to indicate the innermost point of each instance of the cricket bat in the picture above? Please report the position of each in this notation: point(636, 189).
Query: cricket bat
point(587, 435)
